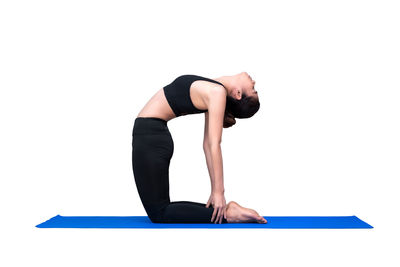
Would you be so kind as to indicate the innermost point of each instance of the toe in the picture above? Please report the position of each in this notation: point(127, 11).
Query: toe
point(262, 219)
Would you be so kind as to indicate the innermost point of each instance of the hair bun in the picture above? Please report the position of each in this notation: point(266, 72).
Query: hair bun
point(229, 120)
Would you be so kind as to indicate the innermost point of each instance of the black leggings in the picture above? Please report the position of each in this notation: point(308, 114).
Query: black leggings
point(151, 154)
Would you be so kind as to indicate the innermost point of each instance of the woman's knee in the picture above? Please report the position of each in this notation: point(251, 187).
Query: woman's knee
point(156, 219)
point(156, 215)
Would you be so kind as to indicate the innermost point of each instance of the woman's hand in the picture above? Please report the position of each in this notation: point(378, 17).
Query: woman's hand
point(217, 200)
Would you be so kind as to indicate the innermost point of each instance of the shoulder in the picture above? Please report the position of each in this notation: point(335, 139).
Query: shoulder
point(217, 90)
point(204, 81)
point(216, 97)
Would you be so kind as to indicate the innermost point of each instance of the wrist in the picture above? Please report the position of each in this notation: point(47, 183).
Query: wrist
point(218, 191)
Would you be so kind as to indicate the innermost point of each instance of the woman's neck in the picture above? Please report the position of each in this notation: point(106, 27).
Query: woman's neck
point(228, 82)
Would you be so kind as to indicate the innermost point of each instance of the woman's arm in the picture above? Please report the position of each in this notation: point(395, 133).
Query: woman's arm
point(212, 150)
point(207, 151)
point(212, 138)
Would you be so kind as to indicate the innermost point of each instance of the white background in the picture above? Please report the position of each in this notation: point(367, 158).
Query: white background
point(75, 74)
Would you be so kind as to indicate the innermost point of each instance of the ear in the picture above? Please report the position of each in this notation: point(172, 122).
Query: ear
point(237, 94)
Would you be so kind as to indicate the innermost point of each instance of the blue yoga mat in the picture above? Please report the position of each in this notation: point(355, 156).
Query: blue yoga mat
point(292, 222)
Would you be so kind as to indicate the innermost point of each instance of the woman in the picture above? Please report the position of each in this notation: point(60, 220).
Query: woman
point(221, 100)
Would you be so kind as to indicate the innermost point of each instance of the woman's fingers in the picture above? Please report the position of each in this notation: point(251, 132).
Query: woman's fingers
point(213, 215)
point(221, 213)
point(218, 215)
point(209, 202)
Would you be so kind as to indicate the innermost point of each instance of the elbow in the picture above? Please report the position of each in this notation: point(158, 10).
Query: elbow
point(205, 146)
point(212, 145)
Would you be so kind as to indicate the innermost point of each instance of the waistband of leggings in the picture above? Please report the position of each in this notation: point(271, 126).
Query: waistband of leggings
point(149, 125)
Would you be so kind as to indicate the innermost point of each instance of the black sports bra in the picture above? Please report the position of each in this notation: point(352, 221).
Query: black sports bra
point(178, 94)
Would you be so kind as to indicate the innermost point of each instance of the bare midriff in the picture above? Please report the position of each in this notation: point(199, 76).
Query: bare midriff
point(157, 107)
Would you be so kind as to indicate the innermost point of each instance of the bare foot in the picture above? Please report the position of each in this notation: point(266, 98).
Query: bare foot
point(238, 214)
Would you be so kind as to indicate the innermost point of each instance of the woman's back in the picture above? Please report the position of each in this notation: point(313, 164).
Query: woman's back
point(187, 94)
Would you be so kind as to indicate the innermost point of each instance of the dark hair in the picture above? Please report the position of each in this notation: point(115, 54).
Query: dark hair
point(246, 107)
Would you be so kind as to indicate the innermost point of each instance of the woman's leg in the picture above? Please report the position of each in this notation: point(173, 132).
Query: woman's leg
point(234, 213)
point(151, 155)
point(150, 159)
point(188, 212)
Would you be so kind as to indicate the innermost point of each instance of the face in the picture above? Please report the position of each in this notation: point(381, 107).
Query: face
point(246, 86)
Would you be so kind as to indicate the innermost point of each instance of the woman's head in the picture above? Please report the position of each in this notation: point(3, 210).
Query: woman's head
point(242, 99)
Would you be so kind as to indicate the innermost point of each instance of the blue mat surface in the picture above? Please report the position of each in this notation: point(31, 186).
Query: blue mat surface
point(291, 222)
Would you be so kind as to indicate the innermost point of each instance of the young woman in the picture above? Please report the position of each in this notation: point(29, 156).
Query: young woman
point(221, 100)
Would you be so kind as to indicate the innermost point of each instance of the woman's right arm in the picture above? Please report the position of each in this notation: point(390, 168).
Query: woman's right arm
point(212, 149)
point(207, 150)
point(216, 186)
